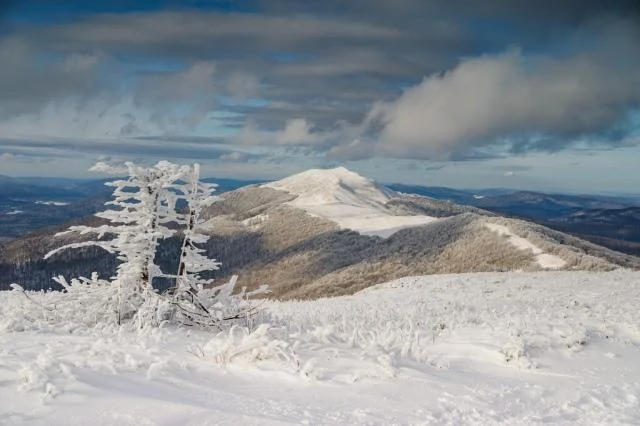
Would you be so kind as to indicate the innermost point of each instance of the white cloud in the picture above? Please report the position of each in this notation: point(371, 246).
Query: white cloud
point(296, 131)
point(509, 96)
point(6, 156)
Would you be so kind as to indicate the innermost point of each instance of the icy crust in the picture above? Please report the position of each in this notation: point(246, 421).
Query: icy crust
point(480, 349)
point(348, 199)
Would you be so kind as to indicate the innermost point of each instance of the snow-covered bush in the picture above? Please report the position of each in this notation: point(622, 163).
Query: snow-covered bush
point(148, 208)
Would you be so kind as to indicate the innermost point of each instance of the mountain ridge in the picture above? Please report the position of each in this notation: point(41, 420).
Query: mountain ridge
point(298, 242)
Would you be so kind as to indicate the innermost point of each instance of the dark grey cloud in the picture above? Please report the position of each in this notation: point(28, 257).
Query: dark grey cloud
point(26, 86)
point(167, 148)
point(531, 16)
point(211, 35)
point(263, 55)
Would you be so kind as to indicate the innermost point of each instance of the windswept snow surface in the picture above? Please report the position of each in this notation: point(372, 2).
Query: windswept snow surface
point(480, 349)
point(348, 199)
point(545, 260)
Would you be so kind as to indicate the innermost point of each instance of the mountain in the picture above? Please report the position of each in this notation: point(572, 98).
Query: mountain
point(331, 232)
point(618, 229)
point(608, 221)
point(29, 204)
point(520, 203)
point(539, 206)
point(30, 189)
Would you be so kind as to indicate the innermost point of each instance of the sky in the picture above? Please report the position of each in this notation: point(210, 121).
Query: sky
point(540, 95)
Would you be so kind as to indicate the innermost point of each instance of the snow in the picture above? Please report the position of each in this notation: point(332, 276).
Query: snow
point(545, 260)
point(348, 199)
point(482, 349)
point(52, 203)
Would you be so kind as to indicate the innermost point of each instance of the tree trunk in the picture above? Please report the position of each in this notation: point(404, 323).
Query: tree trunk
point(151, 248)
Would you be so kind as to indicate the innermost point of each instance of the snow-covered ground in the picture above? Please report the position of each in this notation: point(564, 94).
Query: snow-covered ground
point(496, 348)
point(348, 199)
point(545, 260)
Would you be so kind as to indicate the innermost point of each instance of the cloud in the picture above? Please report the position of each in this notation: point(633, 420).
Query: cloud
point(186, 96)
point(529, 17)
point(7, 156)
point(337, 79)
point(237, 157)
point(243, 84)
point(348, 61)
point(191, 83)
point(526, 102)
point(101, 149)
point(494, 105)
point(105, 115)
point(296, 131)
point(355, 150)
point(27, 88)
point(301, 59)
point(70, 101)
point(192, 33)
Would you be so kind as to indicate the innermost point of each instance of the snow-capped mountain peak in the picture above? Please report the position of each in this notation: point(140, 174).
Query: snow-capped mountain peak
point(348, 199)
point(338, 185)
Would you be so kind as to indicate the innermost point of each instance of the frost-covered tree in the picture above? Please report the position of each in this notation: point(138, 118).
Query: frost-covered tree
point(197, 300)
point(143, 208)
point(145, 204)
point(193, 260)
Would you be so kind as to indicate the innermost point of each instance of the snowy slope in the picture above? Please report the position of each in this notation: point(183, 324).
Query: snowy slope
point(348, 199)
point(479, 349)
point(545, 260)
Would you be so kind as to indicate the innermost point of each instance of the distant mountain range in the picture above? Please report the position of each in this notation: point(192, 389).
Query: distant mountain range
point(613, 222)
point(32, 203)
point(521, 203)
point(330, 232)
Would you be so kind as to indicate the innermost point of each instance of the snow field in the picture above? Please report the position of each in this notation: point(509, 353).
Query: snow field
point(496, 348)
